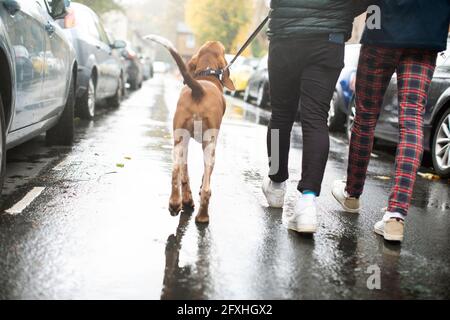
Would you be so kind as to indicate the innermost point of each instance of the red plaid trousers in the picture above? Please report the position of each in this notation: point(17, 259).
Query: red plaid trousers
point(415, 69)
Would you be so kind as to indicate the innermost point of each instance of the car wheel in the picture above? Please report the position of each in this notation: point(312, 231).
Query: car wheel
point(441, 146)
point(115, 101)
point(351, 120)
point(2, 145)
point(63, 132)
point(133, 85)
point(336, 118)
point(88, 101)
point(124, 88)
point(247, 97)
point(262, 99)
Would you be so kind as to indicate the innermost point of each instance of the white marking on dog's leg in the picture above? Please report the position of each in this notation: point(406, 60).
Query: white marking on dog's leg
point(209, 154)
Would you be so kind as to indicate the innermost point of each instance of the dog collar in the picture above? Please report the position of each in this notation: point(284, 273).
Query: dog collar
point(211, 72)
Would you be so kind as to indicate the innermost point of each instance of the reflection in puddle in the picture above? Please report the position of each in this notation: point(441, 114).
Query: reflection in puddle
point(189, 280)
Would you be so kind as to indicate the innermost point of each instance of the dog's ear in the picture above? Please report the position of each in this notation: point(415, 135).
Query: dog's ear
point(192, 65)
point(227, 81)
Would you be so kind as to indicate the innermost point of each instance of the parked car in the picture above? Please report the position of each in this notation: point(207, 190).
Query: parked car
point(236, 64)
point(134, 67)
point(258, 85)
point(148, 71)
point(160, 67)
point(100, 69)
point(437, 116)
point(345, 88)
point(241, 73)
point(38, 71)
point(258, 88)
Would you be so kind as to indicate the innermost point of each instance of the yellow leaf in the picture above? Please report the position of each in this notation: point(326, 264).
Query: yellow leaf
point(428, 176)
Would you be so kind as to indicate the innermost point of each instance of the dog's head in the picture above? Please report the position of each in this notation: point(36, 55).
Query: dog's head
point(211, 55)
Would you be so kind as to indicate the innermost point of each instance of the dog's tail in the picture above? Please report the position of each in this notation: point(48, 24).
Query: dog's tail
point(197, 89)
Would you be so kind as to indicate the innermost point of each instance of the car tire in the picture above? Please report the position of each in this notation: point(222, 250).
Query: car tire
point(336, 118)
point(2, 145)
point(88, 101)
point(114, 102)
point(63, 132)
point(134, 85)
point(247, 97)
point(262, 100)
point(350, 120)
point(440, 152)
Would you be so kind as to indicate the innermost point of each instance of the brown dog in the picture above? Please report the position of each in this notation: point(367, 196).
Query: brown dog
point(199, 115)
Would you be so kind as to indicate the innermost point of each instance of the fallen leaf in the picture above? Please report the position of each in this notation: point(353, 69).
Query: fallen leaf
point(385, 178)
point(127, 158)
point(120, 165)
point(429, 176)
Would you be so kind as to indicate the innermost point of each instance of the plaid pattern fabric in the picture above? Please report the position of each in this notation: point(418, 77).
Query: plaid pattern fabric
point(415, 69)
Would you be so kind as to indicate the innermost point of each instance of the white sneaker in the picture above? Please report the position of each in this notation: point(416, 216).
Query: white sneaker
point(303, 219)
point(390, 229)
point(274, 194)
point(349, 204)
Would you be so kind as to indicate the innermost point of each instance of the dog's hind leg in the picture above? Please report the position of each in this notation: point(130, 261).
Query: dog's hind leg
point(188, 202)
point(179, 161)
point(209, 154)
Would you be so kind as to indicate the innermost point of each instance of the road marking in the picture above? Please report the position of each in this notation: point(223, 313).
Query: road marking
point(337, 140)
point(60, 166)
point(25, 202)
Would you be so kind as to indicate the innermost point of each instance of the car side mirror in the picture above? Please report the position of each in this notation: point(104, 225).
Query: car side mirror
point(57, 8)
point(119, 44)
point(11, 6)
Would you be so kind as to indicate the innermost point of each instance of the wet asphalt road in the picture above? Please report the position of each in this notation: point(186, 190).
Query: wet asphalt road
point(101, 228)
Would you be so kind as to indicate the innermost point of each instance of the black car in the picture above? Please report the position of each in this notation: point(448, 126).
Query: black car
point(437, 116)
point(134, 68)
point(148, 71)
point(345, 88)
point(258, 85)
point(100, 69)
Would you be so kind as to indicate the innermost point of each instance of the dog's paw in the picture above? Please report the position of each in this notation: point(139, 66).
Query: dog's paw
point(202, 219)
point(175, 209)
point(188, 206)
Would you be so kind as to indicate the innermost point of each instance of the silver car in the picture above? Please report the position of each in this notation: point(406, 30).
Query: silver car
point(38, 70)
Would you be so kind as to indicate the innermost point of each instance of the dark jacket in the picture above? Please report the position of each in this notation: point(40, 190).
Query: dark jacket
point(308, 18)
point(411, 24)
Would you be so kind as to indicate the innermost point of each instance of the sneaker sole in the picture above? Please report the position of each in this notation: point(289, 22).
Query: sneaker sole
point(302, 229)
point(344, 207)
point(271, 205)
point(389, 237)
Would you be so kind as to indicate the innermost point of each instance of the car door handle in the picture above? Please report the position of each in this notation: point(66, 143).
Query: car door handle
point(50, 28)
point(12, 6)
